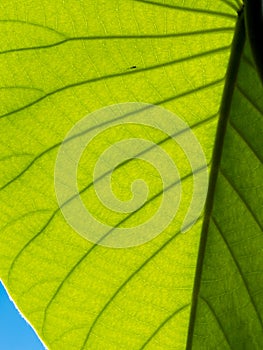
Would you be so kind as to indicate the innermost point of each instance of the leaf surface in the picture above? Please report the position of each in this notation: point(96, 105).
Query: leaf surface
point(61, 61)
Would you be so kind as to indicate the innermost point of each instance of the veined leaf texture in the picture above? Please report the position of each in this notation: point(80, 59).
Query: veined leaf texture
point(62, 61)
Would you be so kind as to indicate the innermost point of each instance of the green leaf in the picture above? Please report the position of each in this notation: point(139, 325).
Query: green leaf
point(61, 61)
point(229, 282)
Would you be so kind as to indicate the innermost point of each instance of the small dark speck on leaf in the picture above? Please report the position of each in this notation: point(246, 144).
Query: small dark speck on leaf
point(133, 67)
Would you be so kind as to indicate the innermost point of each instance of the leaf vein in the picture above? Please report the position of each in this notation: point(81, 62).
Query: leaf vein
point(189, 9)
point(242, 198)
point(217, 320)
point(116, 75)
point(245, 283)
point(118, 37)
point(158, 329)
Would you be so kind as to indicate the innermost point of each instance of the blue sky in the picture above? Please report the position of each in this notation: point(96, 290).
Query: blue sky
point(15, 332)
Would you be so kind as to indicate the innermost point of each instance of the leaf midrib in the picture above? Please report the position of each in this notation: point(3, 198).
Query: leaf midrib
point(231, 78)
